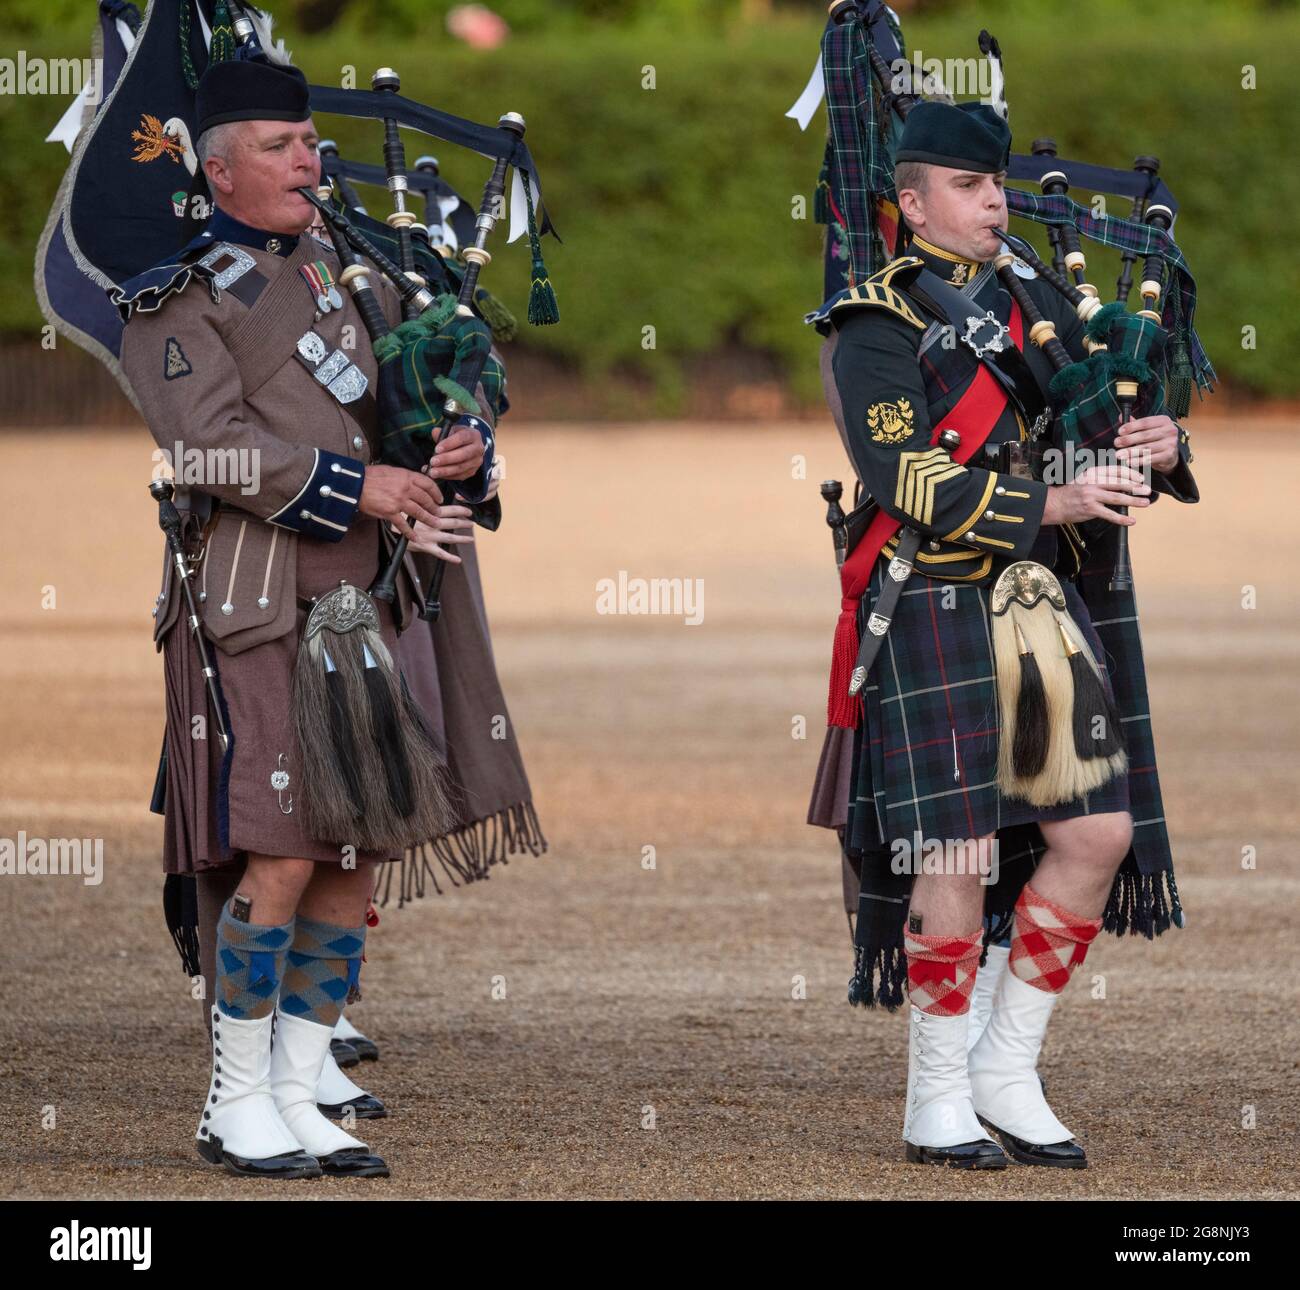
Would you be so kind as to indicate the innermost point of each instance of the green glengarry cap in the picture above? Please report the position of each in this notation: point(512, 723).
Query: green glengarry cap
point(962, 136)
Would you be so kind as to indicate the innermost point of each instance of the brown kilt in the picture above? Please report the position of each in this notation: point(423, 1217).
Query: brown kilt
point(257, 685)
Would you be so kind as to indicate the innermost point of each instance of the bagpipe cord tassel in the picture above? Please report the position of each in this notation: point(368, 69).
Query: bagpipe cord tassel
point(222, 48)
point(543, 308)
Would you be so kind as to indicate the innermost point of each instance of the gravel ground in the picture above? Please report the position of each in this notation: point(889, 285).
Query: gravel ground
point(671, 1026)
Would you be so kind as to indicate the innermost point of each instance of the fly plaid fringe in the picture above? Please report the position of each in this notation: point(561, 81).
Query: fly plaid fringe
point(466, 854)
point(1142, 904)
point(886, 962)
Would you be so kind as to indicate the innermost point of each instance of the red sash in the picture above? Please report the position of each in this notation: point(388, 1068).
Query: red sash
point(976, 413)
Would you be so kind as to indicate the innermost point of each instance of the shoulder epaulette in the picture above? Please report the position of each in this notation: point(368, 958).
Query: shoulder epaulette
point(879, 292)
point(149, 290)
point(876, 292)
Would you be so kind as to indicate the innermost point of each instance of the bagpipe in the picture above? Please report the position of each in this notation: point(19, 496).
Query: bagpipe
point(443, 345)
point(1138, 363)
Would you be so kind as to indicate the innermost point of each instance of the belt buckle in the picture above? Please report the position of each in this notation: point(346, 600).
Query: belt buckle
point(995, 344)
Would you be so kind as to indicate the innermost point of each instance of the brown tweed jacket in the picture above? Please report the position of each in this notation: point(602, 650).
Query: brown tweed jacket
point(242, 420)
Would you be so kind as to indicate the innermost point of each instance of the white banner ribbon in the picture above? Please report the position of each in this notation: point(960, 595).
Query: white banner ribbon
point(518, 209)
point(808, 102)
point(69, 125)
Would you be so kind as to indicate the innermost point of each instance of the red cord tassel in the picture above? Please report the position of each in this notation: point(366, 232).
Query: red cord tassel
point(843, 709)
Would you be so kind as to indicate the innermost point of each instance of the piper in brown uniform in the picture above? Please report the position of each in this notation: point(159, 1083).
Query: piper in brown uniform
point(252, 371)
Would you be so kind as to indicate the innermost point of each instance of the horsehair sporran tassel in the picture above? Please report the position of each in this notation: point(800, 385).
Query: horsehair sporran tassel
point(342, 742)
point(1090, 703)
point(387, 731)
point(371, 777)
point(1030, 618)
point(1029, 749)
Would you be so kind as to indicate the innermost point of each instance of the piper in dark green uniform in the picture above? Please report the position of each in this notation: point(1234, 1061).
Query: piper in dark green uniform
point(947, 418)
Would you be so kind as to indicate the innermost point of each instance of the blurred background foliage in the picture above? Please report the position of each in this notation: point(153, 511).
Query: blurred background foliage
point(677, 203)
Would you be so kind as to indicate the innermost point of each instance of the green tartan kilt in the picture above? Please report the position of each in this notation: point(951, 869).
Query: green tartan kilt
point(926, 755)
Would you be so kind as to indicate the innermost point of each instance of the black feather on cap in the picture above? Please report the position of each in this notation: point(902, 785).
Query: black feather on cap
point(962, 136)
point(246, 90)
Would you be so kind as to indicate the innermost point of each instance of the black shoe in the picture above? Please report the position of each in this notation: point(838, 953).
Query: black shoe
point(344, 1053)
point(354, 1162)
point(365, 1107)
point(292, 1164)
point(981, 1154)
point(1055, 1155)
point(367, 1049)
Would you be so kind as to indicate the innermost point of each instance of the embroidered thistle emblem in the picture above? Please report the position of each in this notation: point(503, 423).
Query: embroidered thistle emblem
point(960, 273)
point(890, 422)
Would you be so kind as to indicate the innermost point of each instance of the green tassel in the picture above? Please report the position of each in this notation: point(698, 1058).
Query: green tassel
point(1179, 375)
point(458, 392)
point(496, 315)
point(1178, 387)
point(440, 313)
point(1098, 328)
point(414, 330)
point(543, 309)
point(386, 347)
point(1068, 379)
point(1127, 367)
point(222, 48)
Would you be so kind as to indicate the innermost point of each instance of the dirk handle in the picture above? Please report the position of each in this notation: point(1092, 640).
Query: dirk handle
point(832, 490)
point(169, 518)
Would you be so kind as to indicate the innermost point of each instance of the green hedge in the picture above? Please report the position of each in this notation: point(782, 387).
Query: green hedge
point(675, 203)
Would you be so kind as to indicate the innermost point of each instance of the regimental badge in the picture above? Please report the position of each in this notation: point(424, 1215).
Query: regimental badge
point(890, 422)
point(174, 361)
point(960, 273)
